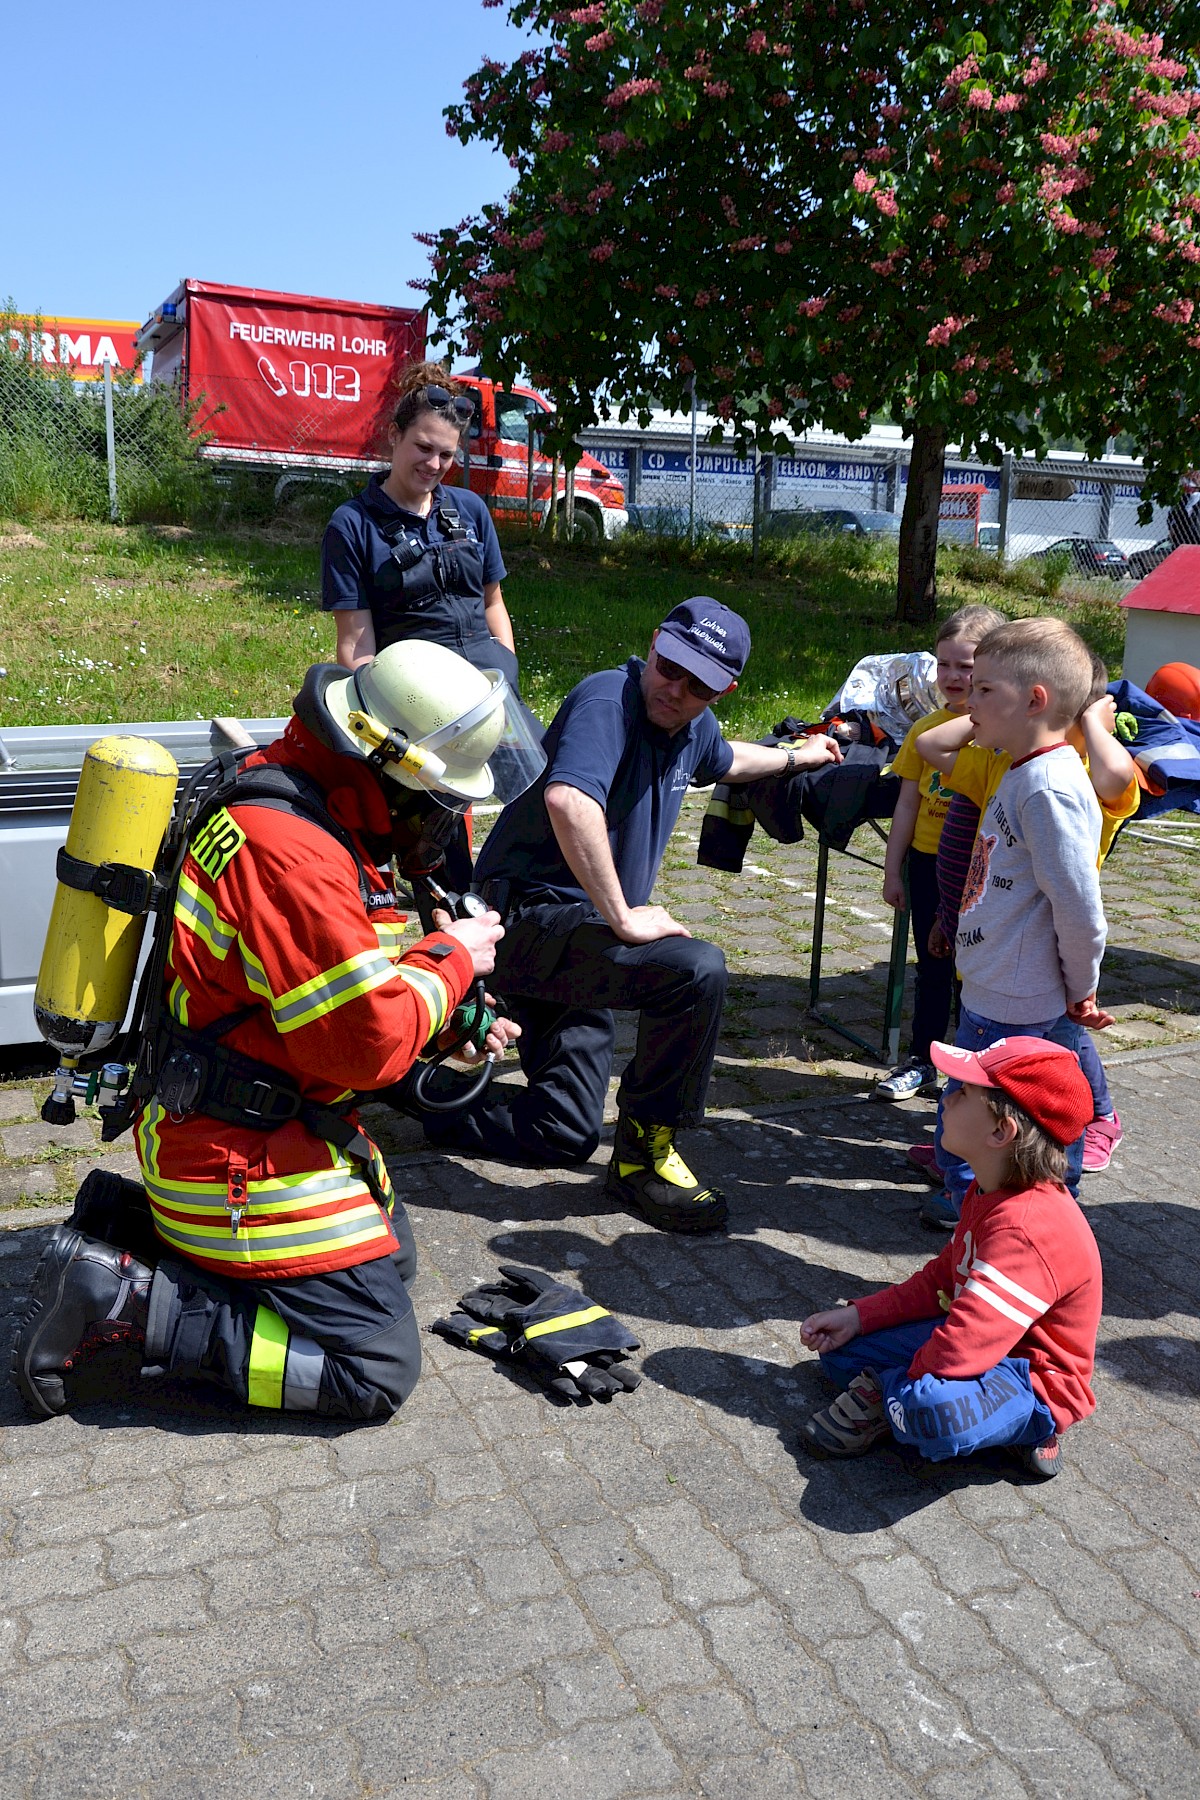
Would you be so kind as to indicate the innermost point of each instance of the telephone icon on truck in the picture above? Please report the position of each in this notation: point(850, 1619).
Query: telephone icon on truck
point(267, 370)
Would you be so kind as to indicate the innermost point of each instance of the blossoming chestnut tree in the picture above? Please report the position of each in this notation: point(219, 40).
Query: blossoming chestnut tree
point(982, 223)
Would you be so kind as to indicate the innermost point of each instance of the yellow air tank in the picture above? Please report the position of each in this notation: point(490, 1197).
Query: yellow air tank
point(121, 812)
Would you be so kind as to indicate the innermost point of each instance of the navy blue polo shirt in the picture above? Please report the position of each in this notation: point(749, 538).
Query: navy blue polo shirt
point(602, 743)
point(358, 571)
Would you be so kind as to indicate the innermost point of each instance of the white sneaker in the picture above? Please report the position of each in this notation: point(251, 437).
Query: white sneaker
point(907, 1080)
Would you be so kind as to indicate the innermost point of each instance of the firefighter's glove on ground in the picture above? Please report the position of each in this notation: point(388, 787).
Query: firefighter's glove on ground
point(573, 1348)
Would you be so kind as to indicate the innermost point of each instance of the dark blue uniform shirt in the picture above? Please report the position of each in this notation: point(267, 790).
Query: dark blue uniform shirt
point(602, 743)
point(440, 596)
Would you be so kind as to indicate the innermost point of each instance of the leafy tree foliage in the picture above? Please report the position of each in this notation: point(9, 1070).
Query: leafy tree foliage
point(984, 225)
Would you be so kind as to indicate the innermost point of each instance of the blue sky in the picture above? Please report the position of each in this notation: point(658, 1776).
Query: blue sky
point(294, 146)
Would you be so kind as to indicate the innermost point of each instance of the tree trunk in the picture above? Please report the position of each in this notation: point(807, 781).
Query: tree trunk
point(916, 587)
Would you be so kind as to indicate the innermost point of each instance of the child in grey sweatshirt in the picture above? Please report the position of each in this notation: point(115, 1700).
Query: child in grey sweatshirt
point(1031, 931)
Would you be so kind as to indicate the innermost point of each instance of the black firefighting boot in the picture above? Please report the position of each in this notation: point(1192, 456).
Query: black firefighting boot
point(86, 1295)
point(648, 1175)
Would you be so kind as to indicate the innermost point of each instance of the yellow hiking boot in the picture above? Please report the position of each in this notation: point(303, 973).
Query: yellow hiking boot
point(648, 1176)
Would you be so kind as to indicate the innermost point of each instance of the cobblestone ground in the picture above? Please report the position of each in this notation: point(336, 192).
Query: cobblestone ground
point(665, 1597)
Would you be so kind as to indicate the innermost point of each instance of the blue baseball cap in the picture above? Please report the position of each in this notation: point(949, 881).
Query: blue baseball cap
point(709, 640)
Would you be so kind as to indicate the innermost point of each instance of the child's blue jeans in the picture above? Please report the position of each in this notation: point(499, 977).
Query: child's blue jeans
point(940, 1417)
point(976, 1033)
point(1097, 1080)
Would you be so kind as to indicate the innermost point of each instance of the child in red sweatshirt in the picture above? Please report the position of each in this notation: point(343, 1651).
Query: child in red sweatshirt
point(993, 1342)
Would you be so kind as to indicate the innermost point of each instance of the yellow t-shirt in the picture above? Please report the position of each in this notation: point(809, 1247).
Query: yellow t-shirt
point(977, 773)
point(910, 765)
point(1113, 813)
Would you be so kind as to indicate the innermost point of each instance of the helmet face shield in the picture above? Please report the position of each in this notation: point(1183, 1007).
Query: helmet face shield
point(494, 739)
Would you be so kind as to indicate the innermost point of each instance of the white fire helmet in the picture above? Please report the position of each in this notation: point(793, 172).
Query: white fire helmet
point(434, 722)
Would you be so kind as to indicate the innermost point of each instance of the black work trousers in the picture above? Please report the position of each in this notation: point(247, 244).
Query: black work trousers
point(934, 997)
point(343, 1345)
point(564, 973)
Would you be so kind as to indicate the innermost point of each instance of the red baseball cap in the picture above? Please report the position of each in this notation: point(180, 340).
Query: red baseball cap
point(1044, 1078)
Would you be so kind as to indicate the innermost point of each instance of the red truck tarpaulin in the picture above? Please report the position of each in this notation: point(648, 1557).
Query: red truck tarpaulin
point(287, 372)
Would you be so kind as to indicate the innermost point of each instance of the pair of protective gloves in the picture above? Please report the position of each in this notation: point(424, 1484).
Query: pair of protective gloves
point(573, 1348)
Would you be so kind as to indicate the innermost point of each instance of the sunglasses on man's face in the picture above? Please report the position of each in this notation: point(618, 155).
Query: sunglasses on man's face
point(673, 671)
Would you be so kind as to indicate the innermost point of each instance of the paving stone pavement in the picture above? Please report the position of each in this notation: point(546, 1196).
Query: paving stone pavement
point(492, 1597)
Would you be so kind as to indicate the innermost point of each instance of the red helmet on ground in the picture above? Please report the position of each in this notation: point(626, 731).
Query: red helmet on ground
point(1177, 687)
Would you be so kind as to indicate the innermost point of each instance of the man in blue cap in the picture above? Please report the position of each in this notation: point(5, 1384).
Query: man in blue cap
point(571, 866)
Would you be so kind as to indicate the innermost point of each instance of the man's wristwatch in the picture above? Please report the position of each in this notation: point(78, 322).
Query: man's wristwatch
point(789, 750)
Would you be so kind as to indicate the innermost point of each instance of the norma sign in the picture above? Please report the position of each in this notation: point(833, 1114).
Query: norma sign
point(1044, 487)
point(82, 346)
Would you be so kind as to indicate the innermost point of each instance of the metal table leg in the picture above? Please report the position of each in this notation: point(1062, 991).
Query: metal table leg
point(887, 1049)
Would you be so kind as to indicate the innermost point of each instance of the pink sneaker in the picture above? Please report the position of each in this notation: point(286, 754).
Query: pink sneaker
point(921, 1157)
point(1099, 1141)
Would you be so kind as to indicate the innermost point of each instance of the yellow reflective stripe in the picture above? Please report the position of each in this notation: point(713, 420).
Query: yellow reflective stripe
point(485, 1331)
point(727, 809)
point(324, 993)
point(256, 975)
point(431, 989)
point(380, 1170)
point(268, 1359)
point(253, 1258)
point(146, 1137)
point(390, 935)
point(567, 1321)
point(194, 909)
point(177, 1002)
point(277, 1190)
point(254, 1245)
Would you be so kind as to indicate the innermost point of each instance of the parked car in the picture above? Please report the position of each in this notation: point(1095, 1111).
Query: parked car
point(672, 522)
point(1141, 562)
point(1091, 556)
point(829, 521)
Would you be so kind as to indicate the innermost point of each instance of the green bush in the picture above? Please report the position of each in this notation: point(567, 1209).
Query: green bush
point(40, 482)
point(54, 447)
point(1055, 566)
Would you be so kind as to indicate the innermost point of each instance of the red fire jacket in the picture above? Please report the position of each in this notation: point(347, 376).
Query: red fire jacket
point(269, 915)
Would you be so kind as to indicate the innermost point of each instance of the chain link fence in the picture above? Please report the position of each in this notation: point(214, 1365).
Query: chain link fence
point(119, 449)
point(1078, 517)
point(112, 448)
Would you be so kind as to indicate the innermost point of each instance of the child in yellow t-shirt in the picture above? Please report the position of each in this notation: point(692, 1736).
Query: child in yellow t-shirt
point(974, 773)
point(910, 865)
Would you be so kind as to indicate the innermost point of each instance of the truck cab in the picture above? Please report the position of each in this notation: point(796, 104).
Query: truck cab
point(499, 448)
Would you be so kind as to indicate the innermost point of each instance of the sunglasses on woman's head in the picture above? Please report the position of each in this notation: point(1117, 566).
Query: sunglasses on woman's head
point(437, 399)
point(673, 671)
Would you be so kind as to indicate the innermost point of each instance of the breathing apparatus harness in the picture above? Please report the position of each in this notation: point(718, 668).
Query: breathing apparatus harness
point(425, 572)
point(189, 1070)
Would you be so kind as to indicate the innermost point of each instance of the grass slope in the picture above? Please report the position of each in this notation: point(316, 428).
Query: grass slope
point(106, 623)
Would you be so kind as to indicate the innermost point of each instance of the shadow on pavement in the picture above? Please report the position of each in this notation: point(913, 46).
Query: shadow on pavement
point(1148, 1248)
point(711, 1283)
point(854, 1497)
point(1160, 1364)
point(1160, 980)
point(838, 1183)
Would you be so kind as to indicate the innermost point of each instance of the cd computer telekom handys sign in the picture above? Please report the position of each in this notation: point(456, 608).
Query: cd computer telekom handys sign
point(284, 376)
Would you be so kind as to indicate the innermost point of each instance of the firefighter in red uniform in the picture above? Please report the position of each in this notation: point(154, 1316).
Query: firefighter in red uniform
point(283, 1256)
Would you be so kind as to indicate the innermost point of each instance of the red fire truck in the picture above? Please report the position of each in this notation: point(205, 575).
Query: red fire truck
point(305, 387)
